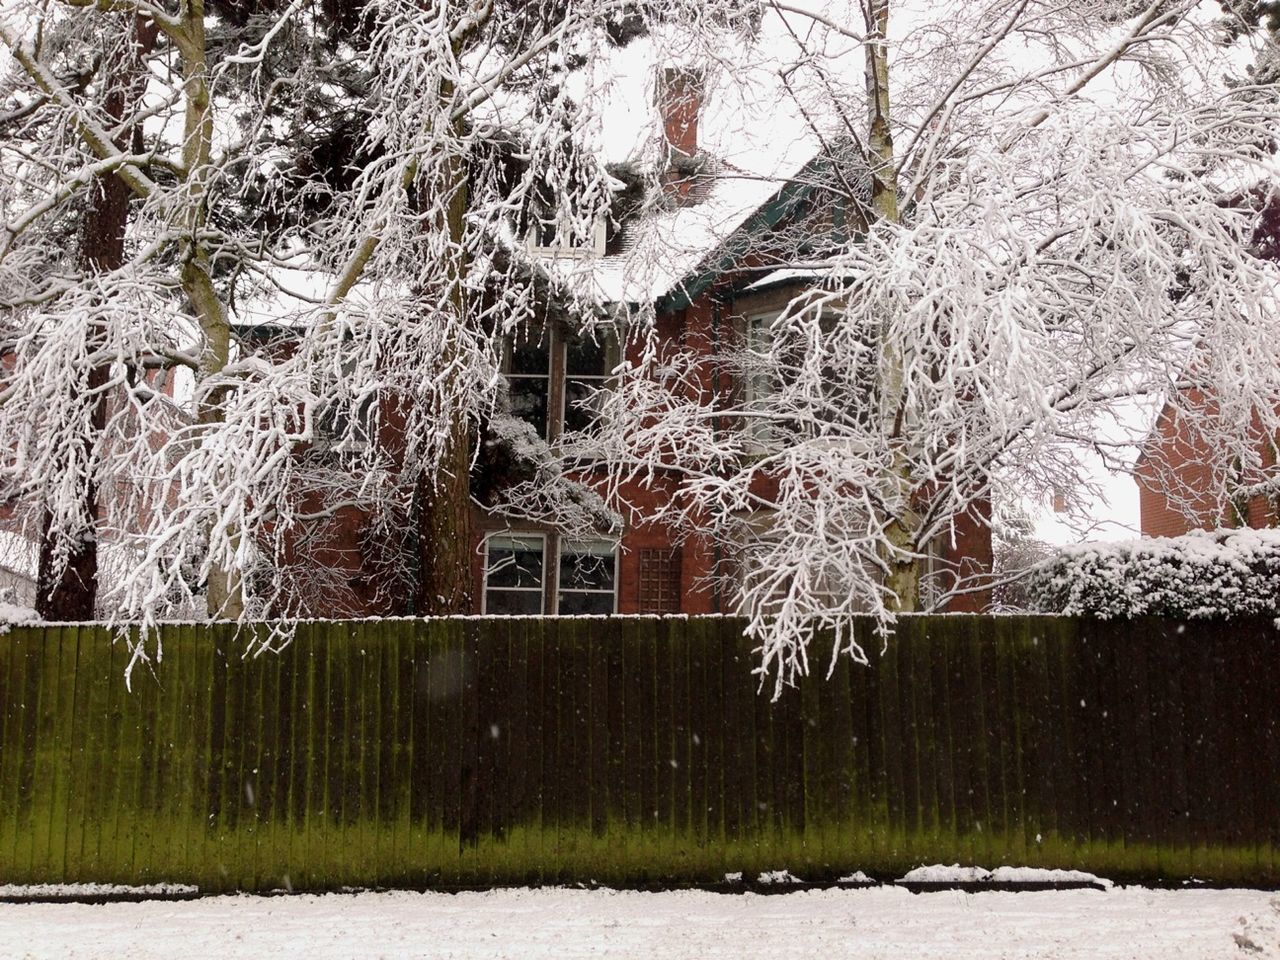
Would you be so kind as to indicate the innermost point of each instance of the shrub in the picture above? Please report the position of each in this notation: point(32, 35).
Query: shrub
point(1200, 576)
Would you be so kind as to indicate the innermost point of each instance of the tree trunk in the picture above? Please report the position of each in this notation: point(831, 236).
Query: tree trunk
point(444, 523)
point(445, 533)
point(69, 591)
point(901, 527)
point(224, 594)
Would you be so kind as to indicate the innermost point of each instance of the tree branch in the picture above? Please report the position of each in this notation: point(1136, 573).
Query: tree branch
point(97, 139)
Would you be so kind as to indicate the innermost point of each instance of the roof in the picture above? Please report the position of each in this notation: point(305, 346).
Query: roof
point(759, 155)
point(672, 252)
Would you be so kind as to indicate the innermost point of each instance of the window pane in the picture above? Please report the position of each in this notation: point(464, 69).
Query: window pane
point(529, 401)
point(760, 334)
point(587, 566)
point(581, 403)
point(760, 384)
point(510, 603)
point(572, 603)
point(531, 356)
point(335, 423)
point(585, 357)
point(759, 344)
point(588, 365)
point(514, 563)
point(544, 232)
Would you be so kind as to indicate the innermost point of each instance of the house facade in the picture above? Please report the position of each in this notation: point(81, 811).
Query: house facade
point(651, 569)
point(705, 245)
point(1184, 483)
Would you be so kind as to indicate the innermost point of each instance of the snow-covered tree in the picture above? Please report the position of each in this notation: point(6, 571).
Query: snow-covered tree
point(66, 585)
point(1029, 213)
point(357, 181)
point(1043, 220)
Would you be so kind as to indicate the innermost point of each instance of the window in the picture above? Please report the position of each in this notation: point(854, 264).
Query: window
point(339, 430)
point(758, 381)
point(553, 377)
point(529, 379)
point(547, 239)
point(780, 360)
point(660, 581)
point(517, 580)
point(775, 579)
point(588, 577)
point(343, 425)
point(514, 574)
point(588, 365)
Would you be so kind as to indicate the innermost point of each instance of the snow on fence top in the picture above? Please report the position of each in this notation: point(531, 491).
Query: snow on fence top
point(1201, 575)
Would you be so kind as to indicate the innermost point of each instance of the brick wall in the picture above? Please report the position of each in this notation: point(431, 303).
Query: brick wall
point(709, 326)
point(1183, 482)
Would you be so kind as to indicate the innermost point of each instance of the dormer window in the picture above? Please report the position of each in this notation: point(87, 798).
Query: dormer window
point(548, 239)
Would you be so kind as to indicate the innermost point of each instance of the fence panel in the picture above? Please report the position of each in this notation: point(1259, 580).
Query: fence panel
point(636, 751)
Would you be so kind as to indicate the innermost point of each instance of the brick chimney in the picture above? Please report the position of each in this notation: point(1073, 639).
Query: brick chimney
point(678, 94)
point(679, 100)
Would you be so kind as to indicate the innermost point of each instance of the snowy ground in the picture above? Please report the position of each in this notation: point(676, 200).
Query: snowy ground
point(553, 923)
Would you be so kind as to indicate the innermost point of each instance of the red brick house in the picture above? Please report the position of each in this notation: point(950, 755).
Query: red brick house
point(707, 280)
point(1184, 482)
point(709, 290)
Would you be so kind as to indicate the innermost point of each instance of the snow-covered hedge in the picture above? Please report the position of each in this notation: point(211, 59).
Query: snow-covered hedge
point(1202, 575)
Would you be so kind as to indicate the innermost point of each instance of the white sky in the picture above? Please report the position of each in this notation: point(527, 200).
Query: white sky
point(1114, 518)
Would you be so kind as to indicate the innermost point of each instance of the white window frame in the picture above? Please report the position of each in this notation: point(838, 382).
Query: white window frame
point(567, 546)
point(601, 381)
point(541, 589)
point(563, 251)
point(757, 386)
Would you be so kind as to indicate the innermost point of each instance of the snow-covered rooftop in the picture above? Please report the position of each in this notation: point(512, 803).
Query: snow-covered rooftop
point(753, 138)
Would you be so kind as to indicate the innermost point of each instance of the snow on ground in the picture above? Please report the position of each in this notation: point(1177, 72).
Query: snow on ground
point(955, 873)
point(882, 922)
point(952, 874)
point(71, 891)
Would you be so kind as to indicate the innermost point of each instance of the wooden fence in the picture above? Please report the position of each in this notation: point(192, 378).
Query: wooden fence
point(635, 751)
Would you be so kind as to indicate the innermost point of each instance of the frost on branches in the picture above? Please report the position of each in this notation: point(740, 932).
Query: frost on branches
point(322, 252)
point(1058, 215)
point(1199, 576)
point(1031, 213)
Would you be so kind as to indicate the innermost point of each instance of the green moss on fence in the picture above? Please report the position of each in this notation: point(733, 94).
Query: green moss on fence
point(635, 751)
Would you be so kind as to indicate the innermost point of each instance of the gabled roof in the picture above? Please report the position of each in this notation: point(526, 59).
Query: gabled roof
point(758, 155)
point(673, 252)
